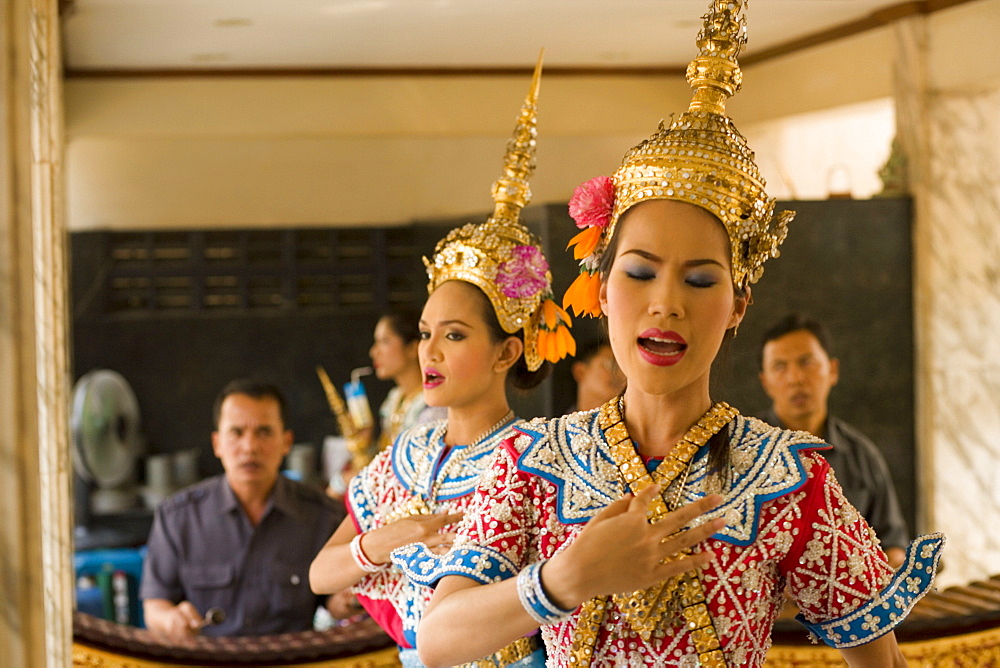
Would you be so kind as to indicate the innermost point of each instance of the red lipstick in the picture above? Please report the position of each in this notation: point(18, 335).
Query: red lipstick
point(661, 348)
point(432, 378)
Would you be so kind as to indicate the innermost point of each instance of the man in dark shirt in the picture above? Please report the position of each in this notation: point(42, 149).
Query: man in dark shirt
point(240, 543)
point(797, 373)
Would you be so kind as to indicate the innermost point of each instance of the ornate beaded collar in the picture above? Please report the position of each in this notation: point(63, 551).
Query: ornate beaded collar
point(415, 459)
point(630, 464)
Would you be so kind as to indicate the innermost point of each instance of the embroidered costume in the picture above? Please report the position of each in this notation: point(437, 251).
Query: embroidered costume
point(865, 477)
point(418, 474)
point(787, 523)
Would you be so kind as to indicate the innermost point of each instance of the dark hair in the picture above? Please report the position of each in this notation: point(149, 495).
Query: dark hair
point(794, 322)
point(519, 376)
point(251, 387)
point(719, 456)
point(589, 350)
point(405, 322)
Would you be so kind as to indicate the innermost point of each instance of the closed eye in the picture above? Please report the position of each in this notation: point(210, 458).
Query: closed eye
point(701, 281)
point(640, 274)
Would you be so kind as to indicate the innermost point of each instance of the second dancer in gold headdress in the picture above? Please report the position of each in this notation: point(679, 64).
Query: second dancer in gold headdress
point(663, 528)
point(490, 319)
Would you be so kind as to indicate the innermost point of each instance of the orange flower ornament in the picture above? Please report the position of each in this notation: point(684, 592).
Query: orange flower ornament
point(590, 207)
point(583, 295)
point(554, 340)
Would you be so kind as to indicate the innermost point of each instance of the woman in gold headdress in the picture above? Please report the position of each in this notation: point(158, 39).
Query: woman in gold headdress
point(663, 528)
point(489, 318)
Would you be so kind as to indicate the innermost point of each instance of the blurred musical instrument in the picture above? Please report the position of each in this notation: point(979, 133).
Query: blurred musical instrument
point(357, 439)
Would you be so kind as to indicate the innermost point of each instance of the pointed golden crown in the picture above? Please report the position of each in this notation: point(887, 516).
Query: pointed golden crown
point(702, 159)
point(501, 257)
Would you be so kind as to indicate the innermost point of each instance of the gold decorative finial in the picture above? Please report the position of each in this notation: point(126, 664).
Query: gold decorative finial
point(356, 443)
point(715, 74)
point(505, 260)
point(511, 191)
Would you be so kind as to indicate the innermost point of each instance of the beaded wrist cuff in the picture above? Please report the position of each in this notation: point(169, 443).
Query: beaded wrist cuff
point(534, 599)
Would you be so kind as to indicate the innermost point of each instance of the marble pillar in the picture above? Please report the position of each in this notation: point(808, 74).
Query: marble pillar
point(951, 132)
point(35, 513)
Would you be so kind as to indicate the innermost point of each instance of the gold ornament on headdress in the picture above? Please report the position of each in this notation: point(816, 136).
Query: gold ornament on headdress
point(503, 259)
point(701, 159)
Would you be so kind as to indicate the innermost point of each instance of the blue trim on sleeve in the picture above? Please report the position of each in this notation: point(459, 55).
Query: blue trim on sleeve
point(361, 505)
point(476, 562)
point(890, 606)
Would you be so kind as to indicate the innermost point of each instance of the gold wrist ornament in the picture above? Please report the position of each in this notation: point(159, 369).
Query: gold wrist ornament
point(504, 260)
point(701, 159)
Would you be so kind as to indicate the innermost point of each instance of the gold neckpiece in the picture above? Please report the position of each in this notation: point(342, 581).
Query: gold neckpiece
point(646, 609)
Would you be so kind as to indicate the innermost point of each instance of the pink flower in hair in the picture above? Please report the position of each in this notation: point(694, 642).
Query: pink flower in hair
point(523, 275)
point(592, 202)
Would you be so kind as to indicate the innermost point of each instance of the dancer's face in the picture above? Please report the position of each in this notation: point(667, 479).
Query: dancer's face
point(462, 363)
point(669, 296)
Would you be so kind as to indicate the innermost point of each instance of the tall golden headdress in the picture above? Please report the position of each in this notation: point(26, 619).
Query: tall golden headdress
point(701, 159)
point(503, 259)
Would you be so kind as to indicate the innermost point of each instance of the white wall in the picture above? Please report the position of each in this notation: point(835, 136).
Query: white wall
point(835, 151)
point(160, 153)
point(184, 152)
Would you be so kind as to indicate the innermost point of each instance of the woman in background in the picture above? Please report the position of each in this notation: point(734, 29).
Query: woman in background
point(394, 357)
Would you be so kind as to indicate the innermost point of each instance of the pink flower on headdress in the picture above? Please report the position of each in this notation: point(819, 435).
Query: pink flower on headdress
point(523, 275)
point(592, 202)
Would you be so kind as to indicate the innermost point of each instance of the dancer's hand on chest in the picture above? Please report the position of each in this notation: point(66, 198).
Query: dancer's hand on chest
point(424, 529)
point(620, 551)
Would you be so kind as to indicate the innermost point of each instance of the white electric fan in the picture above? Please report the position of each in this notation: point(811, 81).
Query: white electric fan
point(105, 439)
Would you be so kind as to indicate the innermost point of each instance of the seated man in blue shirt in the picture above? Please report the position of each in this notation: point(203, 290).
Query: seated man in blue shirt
point(241, 542)
point(797, 373)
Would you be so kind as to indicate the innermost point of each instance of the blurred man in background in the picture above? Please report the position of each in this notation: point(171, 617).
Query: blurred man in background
point(598, 378)
point(239, 544)
point(798, 373)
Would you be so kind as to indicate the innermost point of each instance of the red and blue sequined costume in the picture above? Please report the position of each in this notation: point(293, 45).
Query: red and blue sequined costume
point(788, 526)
